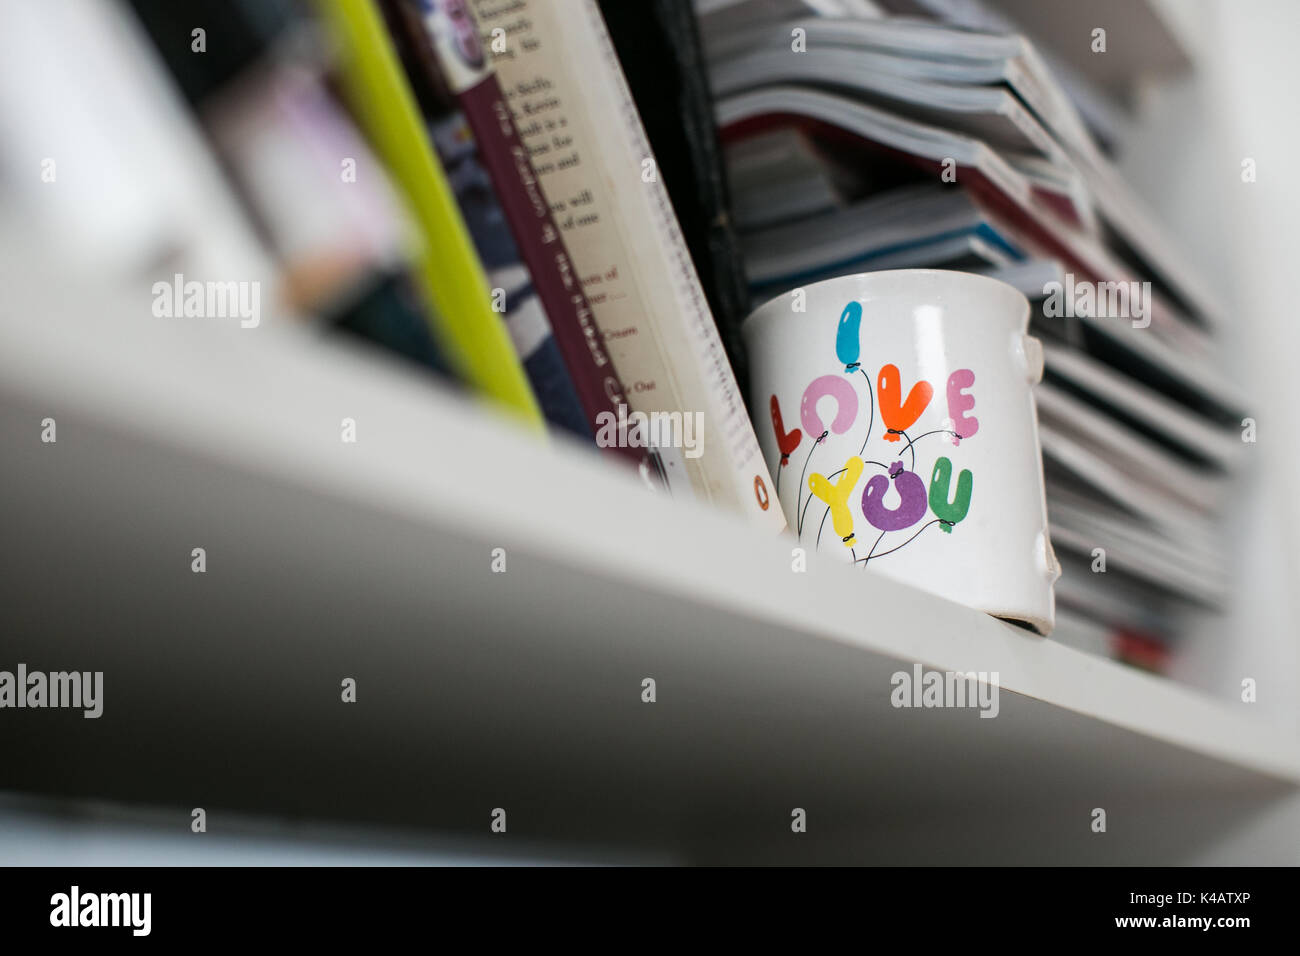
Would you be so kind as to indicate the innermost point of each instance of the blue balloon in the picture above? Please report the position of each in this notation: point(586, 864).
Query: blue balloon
point(847, 346)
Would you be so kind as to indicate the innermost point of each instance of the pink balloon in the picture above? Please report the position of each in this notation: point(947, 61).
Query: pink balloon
point(959, 403)
point(846, 405)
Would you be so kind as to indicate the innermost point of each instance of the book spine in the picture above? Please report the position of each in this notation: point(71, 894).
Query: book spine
point(735, 474)
point(474, 336)
point(659, 47)
point(453, 36)
point(573, 109)
point(554, 277)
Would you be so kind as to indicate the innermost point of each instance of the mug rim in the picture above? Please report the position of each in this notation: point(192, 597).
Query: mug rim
point(956, 275)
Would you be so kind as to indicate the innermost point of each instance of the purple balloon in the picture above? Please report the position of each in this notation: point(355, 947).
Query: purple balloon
point(912, 494)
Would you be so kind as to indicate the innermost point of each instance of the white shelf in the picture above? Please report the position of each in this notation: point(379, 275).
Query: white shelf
point(522, 690)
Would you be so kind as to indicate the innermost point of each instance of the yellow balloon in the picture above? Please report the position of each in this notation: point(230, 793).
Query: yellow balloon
point(836, 495)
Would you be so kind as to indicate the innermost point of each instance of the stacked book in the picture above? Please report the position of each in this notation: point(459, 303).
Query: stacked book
point(856, 141)
point(511, 195)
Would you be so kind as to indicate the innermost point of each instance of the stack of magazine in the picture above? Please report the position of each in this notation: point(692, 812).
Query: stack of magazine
point(856, 141)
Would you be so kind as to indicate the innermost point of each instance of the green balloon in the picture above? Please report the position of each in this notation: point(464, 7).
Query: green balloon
point(949, 512)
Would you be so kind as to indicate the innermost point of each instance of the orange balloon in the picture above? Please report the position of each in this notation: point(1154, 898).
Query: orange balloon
point(899, 415)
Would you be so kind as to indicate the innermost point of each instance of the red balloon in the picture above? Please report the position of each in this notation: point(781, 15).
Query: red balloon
point(786, 441)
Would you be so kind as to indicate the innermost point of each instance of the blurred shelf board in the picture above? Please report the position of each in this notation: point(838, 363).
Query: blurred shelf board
point(45, 832)
point(522, 690)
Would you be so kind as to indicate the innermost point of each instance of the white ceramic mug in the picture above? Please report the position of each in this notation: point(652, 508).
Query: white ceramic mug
point(896, 413)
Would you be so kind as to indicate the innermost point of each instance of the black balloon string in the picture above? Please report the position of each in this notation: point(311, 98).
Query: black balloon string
point(904, 544)
point(802, 476)
point(871, 421)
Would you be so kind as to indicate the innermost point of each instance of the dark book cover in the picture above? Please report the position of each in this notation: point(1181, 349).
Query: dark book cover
point(659, 47)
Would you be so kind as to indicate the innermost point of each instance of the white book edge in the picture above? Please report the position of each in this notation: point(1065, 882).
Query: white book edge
point(581, 60)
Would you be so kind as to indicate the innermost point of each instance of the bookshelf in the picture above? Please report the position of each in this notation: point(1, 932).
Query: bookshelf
point(523, 690)
point(372, 560)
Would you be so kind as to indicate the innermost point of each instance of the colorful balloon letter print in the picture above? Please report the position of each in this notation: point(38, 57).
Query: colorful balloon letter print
point(786, 441)
point(836, 495)
point(959, 403)
point(900, 415)
point(847, 341)
point(949, 512)
point(846, 400)
point(911, 494)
